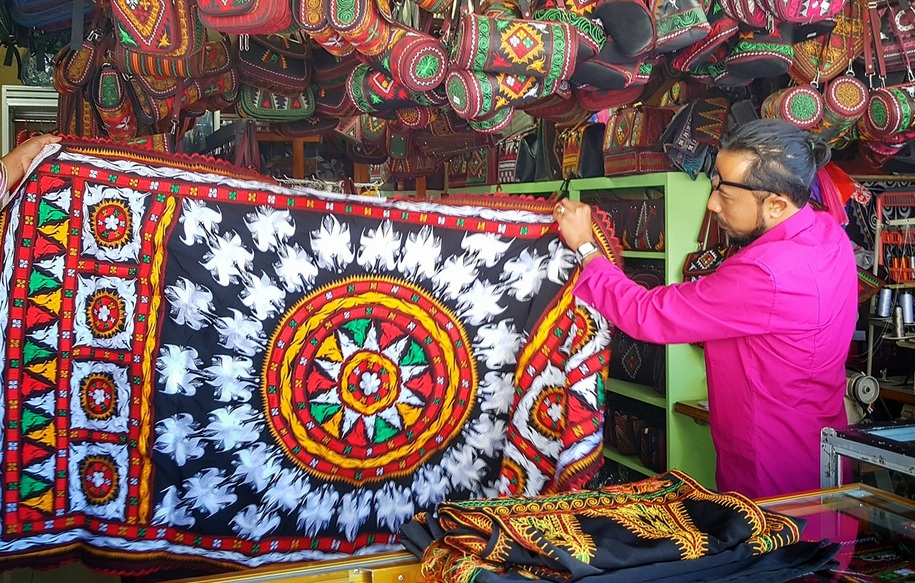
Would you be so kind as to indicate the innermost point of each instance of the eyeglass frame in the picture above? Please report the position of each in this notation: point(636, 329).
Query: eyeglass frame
point(713, 174)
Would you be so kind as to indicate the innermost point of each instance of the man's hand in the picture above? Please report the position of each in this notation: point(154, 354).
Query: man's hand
point(574, 220)
point(20, 158)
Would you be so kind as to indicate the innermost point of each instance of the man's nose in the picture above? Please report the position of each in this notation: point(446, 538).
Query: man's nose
point(713, 205)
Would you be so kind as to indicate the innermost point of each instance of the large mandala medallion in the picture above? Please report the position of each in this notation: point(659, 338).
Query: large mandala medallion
point(366, 379)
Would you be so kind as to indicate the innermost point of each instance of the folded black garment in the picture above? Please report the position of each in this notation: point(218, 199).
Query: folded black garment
point(664, 529)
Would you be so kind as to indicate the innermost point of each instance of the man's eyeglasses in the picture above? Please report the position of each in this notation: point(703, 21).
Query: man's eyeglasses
point(717, 182)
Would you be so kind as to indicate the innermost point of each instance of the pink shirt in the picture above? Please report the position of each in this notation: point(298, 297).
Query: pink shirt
point(777, 320)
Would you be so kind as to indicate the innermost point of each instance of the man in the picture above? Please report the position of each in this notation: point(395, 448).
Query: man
point(14, 165)
point(776, 318)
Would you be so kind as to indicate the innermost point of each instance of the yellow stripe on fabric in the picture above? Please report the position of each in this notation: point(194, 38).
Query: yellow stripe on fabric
point(156, 272)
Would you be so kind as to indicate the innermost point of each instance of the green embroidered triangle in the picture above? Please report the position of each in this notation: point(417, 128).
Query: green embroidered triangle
point(48, 213)
point(324, 411)
point(384, 430)
point(33, 353)
point(32, 419)
point(414, 356)
point(41, 283)
point(359, 329)
point(30, 487)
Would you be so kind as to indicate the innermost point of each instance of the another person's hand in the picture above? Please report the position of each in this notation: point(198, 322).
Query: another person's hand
point(20, 158)
point(574, 220)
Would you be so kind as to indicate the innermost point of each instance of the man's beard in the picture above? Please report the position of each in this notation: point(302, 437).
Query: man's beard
point(741, 241)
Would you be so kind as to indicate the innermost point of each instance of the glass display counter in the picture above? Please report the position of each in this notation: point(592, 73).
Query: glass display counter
point(876, 530)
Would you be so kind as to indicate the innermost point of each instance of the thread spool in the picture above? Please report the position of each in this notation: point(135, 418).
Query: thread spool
point(908, 308)
point(885, 303)
point(898, 323)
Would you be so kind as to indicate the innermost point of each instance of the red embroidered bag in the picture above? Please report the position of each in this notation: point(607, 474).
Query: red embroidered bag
point(247, 16)
point(164, 28)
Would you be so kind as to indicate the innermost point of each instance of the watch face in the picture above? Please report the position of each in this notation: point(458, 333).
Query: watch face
point(586, 248)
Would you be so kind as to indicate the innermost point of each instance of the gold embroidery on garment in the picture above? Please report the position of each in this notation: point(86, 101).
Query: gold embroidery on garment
point(668, 521)
point(561, 530)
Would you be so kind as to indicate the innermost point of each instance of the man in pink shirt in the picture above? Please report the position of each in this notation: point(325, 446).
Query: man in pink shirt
point(776, 318)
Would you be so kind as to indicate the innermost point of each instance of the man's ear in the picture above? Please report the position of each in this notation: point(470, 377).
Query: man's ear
point(777, 206)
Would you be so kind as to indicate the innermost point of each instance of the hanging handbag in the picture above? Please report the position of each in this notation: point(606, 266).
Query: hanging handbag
point(629, 24)
point(165, 28)
point(526, 162)
point(545, 49)
point(477, 95)
point(801, 105)
point(632, 140)
point(711, 251)
point(761, 53)
point(547, 165)
point(582, 150)
point(802, 11)
point(277, 63)
point(723, 29)
point(195, 65)
point(246, 16)
point(679, 24)
point(266, 105)
point(825, 57)
point(891, 29)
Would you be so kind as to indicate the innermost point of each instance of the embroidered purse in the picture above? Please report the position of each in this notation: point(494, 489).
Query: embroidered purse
point(761, 53)
point(276, 63)
point(114, 108)
point(712, 250)
point(213, 54)
point(828, 56)
point(801, 105)
point(475, 94)
point(582, 150)
point(632, 140)
point(164, 28)
point(679, 24)
point(844, 102)
point(544, 49)
point(723, 29)
point(373, 91)
point(266, 105)
point(246, 16)
point(636, 361)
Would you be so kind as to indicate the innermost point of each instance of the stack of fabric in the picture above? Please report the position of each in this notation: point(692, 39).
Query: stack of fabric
point(663, 529)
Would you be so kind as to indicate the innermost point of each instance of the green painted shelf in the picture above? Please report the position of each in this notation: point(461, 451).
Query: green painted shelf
point(644, 254)
point(630, 461)
point(638, 392)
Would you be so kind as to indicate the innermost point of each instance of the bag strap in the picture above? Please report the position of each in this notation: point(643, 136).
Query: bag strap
point(873, 47)
point(710, 234)
point(895, 25)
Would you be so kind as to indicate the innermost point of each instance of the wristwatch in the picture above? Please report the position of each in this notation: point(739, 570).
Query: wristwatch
point(586, 249)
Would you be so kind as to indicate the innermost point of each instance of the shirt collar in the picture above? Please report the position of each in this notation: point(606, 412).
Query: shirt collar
point(800, 221)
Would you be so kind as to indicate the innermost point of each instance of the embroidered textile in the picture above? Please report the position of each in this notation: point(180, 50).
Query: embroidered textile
point(203, 366)
point(667, 527)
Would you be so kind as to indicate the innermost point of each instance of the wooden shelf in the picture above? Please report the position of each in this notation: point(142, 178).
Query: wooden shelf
point(630, 461)
point(641, 393)
point(644, 254)
point(693, 410)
